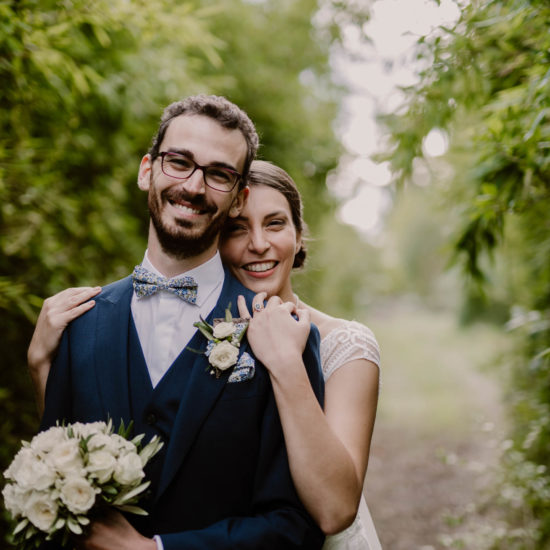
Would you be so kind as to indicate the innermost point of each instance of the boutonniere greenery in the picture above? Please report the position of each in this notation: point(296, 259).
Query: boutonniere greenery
point(224, 339)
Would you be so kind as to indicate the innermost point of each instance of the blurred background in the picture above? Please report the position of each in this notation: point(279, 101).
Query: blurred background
point(418, 132)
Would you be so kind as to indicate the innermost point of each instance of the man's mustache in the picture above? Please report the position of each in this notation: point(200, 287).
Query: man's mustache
point(197, 201)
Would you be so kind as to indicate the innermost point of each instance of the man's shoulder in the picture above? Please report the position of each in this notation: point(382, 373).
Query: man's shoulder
point(112, 292)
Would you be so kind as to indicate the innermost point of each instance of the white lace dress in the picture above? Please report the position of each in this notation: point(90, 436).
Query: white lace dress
point(348, 342)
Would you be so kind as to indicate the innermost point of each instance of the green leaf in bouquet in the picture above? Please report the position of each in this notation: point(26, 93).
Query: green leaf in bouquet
point(59, 524)
point(228, 316)
point(123, 431)
point(109, 489)
point(84, 444)
point(138, 439)
point(74, 526)
point(204, 331)
point(20, 526)
point(83, 520)
point(133, 510)
point(125, 497)
point(150, 450)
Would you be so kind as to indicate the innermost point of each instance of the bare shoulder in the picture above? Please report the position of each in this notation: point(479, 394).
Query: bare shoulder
point(324, 322)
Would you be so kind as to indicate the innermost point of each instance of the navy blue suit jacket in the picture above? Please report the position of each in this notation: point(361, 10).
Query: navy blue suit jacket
point(225, 481)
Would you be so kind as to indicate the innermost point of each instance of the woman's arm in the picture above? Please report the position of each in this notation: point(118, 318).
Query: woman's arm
point(328, 451)
point(57, 312)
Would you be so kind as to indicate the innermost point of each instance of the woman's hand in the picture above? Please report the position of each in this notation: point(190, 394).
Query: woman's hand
point(57, 312)
point(277, 338)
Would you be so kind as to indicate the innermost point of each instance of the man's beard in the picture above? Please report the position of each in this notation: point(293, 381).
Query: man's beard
point(180, 242)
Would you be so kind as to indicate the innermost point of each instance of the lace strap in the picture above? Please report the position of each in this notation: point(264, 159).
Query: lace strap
point(348, 342)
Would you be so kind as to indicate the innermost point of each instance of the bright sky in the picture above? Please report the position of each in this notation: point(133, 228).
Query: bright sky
point(372, 77)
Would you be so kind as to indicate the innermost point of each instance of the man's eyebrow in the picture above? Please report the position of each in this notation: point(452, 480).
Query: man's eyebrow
point(188, 153)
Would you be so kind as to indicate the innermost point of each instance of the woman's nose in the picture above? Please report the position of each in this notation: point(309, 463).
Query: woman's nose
point(258, 243)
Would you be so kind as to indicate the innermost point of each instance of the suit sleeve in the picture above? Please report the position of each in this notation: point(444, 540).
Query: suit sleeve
point(279, 520)
point(58, 387)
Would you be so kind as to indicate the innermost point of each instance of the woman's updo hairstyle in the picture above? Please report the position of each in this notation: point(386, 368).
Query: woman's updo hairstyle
point(266, 173)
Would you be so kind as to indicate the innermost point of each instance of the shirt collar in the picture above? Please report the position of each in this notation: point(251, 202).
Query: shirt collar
point(209, 275)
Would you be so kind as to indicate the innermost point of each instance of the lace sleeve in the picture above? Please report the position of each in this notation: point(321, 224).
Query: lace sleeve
point(348, 342)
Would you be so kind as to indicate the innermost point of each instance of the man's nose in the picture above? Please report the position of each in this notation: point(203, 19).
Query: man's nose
point(195, 183)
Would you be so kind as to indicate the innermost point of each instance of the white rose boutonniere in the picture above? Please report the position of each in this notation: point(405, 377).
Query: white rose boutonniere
point(222, 355)
point(224, 339)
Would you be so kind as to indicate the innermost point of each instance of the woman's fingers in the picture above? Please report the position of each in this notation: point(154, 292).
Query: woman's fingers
point(258, 302)
point(77, 311)
point(243, 310)
point(61, 308)
point(304, 317)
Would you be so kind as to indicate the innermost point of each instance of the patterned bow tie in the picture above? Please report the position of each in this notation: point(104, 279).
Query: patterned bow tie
point(147, 283)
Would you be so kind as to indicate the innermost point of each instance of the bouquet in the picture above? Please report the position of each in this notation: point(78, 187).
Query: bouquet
point(57, 481)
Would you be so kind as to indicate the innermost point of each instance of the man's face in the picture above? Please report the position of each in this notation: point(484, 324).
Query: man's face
point(186, 214)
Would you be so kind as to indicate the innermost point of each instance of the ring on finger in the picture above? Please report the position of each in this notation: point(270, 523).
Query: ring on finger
point(258, 306)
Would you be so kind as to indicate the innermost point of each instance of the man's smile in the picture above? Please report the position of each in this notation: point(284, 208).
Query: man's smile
point(186, 207)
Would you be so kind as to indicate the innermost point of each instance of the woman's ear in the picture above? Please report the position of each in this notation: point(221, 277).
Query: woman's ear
point(144, 174)
point(238, 202)
point(298, 242)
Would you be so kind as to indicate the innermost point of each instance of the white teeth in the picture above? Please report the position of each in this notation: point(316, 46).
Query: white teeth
point(186, 208)
point(260, 267)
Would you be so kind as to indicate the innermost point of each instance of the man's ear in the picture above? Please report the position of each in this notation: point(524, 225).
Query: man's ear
point(238, 202)
point(144, 174)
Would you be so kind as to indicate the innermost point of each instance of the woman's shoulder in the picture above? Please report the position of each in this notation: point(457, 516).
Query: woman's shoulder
point(343, 341)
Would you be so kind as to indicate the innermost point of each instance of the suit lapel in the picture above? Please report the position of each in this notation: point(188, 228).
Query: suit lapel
point(202, 389)
point(111, 360)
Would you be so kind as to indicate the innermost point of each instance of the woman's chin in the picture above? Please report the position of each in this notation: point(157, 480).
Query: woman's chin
point(256, 282)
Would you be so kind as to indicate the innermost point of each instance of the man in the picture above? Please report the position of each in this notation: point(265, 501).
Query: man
point(222, 478)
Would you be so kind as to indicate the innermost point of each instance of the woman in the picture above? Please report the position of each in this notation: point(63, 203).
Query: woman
point(328, 451)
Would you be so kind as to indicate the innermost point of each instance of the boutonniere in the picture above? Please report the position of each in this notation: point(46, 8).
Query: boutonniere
point(224, 339)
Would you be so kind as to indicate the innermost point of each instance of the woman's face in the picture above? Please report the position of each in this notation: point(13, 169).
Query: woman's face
point(259, 245)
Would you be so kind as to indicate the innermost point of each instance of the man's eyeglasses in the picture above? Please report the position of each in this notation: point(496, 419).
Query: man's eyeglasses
point(181, 167)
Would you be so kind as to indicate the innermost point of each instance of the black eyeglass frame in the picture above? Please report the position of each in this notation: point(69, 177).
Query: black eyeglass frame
point(238, 177)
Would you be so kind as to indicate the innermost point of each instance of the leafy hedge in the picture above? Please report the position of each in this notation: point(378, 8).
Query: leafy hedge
point(486, 82)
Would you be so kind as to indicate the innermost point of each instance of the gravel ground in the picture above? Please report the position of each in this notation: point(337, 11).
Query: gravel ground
point(438, 430)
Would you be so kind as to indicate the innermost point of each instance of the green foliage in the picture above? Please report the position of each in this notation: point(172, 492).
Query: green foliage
point(487, 83)
point(83, 86)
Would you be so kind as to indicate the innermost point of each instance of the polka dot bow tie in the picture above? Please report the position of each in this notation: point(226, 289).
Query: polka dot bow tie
point(147, 283)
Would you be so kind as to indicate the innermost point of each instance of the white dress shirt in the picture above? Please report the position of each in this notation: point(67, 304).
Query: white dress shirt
point(164, 321)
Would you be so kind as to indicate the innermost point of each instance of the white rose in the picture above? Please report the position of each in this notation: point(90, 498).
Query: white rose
point(44, 442)
point(123, 445)
point(223, 355)
point(41, 510)
point(14, 499)
point(104, 442)
point(66, 458)
point(78, 495)
point(129, 469)
point(29, 471)
point(85, 429)
point(101, 464)
point(223, 329)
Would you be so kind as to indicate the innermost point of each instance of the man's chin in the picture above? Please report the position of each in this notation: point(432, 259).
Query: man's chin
point(183, 242)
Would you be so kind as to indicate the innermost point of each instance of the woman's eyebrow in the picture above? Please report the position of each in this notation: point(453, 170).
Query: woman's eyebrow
point(270, 215)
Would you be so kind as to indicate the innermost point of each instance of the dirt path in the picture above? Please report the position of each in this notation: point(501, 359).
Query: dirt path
point(438, 428)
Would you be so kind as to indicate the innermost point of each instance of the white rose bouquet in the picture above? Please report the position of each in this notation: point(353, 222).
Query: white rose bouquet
point(224, 339)
point(56, 481)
